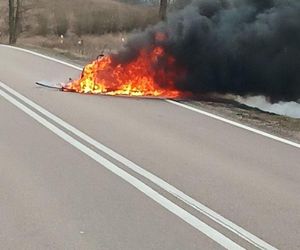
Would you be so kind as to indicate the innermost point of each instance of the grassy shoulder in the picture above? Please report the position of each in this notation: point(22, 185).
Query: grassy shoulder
point(57, 53)
point(83, 49)
point(283, 126)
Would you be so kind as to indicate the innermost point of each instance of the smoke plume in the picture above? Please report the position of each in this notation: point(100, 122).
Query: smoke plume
point(244, 47)
point(291, 109)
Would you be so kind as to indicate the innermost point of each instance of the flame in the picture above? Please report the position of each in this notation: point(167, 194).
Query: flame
point(151, 73)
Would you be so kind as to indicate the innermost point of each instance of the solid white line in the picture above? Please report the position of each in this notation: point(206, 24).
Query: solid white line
point(219, 118)
point(156, 180)
point(164, 202)
point(161, 183)
point(43, 56)
point(236, 124)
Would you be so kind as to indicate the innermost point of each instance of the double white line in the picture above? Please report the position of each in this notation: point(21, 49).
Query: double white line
point(51, 121)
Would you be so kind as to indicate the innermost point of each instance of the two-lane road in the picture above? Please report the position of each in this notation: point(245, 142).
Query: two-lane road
point(99, 172)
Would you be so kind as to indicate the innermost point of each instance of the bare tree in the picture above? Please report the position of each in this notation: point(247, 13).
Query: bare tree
point(14, 16)
point(163, 9)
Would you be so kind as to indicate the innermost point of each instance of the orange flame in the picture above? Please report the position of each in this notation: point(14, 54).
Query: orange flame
point(151, 73)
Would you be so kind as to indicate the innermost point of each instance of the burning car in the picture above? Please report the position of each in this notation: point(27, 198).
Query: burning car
point(151, 73)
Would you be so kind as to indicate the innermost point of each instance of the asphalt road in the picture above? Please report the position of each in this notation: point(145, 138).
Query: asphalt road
point(58, 192)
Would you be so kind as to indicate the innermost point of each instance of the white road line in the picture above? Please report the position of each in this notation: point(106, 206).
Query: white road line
point(236, 124)
point(42, 56)
point(156, 180)
point(164, 202)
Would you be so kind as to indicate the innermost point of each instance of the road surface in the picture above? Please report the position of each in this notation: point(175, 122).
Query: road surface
point(98, 172)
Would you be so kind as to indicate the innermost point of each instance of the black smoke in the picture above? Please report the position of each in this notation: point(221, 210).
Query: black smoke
point(245, 47)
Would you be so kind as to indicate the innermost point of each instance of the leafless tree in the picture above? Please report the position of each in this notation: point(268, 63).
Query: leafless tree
point(14, 16)
point(163, 9)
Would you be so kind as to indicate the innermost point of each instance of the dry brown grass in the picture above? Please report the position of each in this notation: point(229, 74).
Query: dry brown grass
point(92, 45)
point(101, 24)
point(80, 17)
